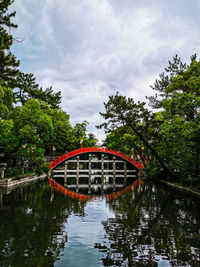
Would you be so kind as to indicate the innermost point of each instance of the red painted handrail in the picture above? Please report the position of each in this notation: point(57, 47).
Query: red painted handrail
point(82, 150)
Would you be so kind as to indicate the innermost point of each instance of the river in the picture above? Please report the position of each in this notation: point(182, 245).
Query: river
point(144, 225)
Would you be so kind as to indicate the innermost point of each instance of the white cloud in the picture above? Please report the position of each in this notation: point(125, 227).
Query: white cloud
point(90, 49)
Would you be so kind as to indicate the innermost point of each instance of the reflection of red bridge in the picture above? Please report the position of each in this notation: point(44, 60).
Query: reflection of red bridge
point(95, 149)
point(83, 197)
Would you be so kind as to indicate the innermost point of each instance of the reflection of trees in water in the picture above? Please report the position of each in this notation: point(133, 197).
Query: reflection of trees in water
point(32, 225)
point(151, 224)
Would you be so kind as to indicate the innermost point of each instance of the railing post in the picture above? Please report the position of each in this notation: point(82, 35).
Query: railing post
point(114, 173)
point(125, 172)
point(90, 173)
point(65, 174)
point(77, 173)
point(102, 171)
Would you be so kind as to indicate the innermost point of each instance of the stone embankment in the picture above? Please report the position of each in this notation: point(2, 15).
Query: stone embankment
point(174, 186)
point(13, 182)
point(180, 188)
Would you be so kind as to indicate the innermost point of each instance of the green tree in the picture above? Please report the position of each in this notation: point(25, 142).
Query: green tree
point(81, 138)
point(122, 111)
point(62, 137)
point(179, 99)
point(32, 129)
point(79, 134)
point(125, 140)
point(91, 140)
point(174, 69)
point(6, 123)
point(8, 62)
point(171, 134)
point(180, 104)
point(26, 88)
point(24, 85)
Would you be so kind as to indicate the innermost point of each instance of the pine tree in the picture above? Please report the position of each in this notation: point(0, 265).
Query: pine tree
point(8, 62)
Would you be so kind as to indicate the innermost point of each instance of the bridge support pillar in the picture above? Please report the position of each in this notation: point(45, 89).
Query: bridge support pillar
point(90, 173)
point(65, 174)
point(125, 172)
point(77, 173)
point(114, 173)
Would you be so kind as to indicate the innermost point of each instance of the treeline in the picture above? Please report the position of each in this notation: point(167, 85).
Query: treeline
point(32, 123)
point(166, 135)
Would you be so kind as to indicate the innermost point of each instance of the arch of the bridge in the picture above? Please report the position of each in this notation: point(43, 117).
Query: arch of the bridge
point(84, 150)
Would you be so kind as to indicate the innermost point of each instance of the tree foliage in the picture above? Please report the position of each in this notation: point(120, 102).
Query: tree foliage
point(32, 122)
point(170, 132)
point(26, 88)
point(8, 62)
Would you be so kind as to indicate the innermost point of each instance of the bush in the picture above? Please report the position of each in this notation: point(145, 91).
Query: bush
point(39, 170)
point(13, 172)
point(185, 181)
point(46, 168)
point(42, 169)
point(195, 181)
point(191, 181)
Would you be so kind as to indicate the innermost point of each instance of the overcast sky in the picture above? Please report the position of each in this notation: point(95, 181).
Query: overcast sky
point(89, 49)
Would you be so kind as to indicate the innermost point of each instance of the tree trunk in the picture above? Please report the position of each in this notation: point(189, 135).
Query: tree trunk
point(154, 152)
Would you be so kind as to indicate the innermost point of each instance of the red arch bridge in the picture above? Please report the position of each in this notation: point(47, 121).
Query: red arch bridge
point(95, 166)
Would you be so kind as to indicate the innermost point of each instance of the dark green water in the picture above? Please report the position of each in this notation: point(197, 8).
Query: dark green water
point(148, 226)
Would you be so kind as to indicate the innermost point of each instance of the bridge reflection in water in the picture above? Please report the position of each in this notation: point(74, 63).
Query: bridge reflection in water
point(82, 197)
point(94, 171)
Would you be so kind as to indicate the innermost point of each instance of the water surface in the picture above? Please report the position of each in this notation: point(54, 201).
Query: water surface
point(146, 225)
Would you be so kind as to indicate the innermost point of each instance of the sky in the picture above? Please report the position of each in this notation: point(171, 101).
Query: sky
point(90, 49)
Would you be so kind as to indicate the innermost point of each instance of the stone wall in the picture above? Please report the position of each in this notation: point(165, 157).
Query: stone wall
point(13, 182)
